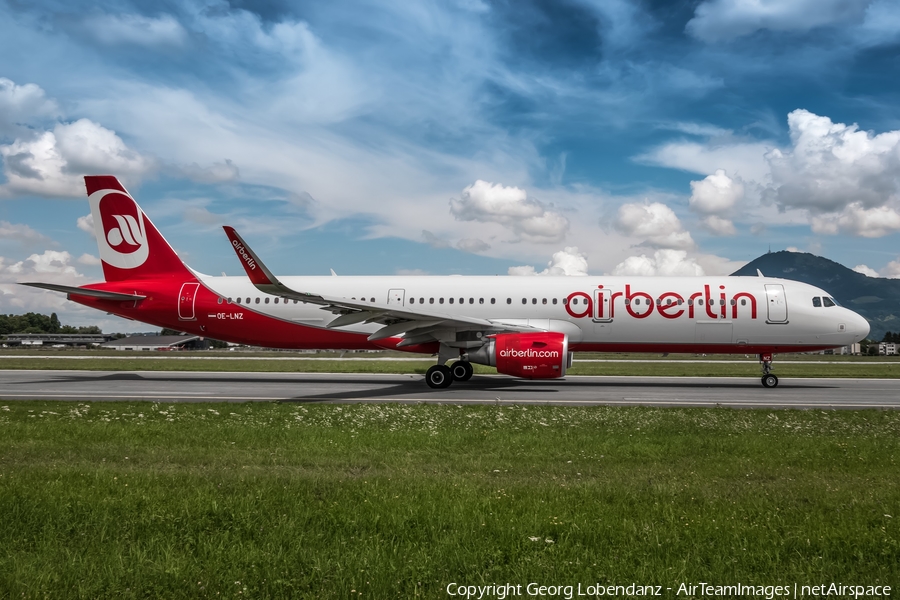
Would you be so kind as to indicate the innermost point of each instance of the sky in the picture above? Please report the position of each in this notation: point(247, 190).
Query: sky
point(526, 137)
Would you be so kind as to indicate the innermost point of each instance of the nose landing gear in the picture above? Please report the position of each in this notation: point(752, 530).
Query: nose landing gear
point(769, 379)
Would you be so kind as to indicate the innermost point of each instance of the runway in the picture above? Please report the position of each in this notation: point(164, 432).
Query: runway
point(170, 387)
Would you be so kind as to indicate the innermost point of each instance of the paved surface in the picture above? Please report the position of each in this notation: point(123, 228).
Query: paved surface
point(738, 392)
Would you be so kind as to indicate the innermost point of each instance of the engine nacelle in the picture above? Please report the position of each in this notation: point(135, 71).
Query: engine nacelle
point(542, 355)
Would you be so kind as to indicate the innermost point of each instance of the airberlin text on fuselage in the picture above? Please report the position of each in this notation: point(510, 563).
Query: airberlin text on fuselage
point(247, 258)
point(670, 305)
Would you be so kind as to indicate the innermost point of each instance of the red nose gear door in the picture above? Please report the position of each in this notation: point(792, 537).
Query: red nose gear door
point(186, 299)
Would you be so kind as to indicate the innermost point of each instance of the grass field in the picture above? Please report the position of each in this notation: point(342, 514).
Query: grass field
point(676, 365)
point(263, 500)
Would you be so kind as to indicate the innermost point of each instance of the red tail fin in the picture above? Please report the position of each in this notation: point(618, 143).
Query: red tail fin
point(130, 246)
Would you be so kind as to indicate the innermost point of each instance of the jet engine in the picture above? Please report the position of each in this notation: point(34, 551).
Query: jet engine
point(542, 355)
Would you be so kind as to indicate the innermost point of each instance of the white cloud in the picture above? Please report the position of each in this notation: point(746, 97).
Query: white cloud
point(664, 262)
point(89, 260)
point(21, 233)
point(859, 221)
point(793, 249)
point(718, 225)
point(53, 163)
point(433, 240)
point(655, 222)
point(21, 105)
point(473, 245)
point(865, 270)
point(136, 29)
point(723, 20)
point(86, 224)
point(892, 270)
point(833, 165)
point(568, 261)
point(743, 159)
point(219, 172)
point(716, 194)
point(510, 206)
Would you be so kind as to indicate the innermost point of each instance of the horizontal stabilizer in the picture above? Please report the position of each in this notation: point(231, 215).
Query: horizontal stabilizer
point(78, 291)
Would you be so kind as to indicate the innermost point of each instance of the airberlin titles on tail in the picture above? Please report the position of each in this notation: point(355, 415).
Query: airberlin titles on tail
point(131, 248)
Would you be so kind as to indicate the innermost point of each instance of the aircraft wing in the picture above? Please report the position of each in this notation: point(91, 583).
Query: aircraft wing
point(78, 291)
point(418, 326)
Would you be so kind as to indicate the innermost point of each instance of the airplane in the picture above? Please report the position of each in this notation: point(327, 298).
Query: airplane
point(526, 327)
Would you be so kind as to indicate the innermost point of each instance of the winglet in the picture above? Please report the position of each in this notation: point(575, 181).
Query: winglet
point(258, 273)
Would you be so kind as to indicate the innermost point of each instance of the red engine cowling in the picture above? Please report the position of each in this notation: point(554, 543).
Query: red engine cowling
point(542, 355)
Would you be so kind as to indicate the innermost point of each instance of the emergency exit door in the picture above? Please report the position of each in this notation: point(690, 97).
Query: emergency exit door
point(186, 299)
point(776, 304)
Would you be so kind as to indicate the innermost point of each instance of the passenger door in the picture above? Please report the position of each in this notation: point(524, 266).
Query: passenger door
point(776, 303)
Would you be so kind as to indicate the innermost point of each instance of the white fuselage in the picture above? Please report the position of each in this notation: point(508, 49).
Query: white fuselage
point(596, 312)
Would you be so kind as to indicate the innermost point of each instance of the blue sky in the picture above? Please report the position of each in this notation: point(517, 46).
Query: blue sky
point(474, 137)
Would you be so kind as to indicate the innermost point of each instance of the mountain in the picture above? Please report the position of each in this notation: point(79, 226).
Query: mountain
point(875, 298)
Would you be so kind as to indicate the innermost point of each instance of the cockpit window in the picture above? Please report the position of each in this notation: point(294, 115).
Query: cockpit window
point(828, 301)
point(817, 302)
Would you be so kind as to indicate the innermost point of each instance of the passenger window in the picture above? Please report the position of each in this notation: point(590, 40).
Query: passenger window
point(534, 300)
point(431, 301)
point(544, 301)
point(481, 301)
point(700, 302)
point(451, 300)
point(238, 300)
point(743, 302)
point(658, 302)
point(826, 301)
point(421, 300)
point(690, 302)
point(565, 301)
point(554, 301)
point(248, 300)
point(276, 300)
point(462, 300)
point(524, 300)
point(493, 301)
point(509, 300)
point(220, 300)
point(628, 301)
point(256, 300)
point(817, 302)
point(733, 301)
point(267, 300)
point(440, 300)
point(721, 301)
point(412, 300)
point(680, 302)
point(575, 301)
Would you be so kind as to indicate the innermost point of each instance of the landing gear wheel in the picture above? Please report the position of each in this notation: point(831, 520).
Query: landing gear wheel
point(438, 377)
point(769, 381)
point(461, 370)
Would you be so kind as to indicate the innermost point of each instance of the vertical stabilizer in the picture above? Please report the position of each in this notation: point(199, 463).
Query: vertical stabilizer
point(130, 245)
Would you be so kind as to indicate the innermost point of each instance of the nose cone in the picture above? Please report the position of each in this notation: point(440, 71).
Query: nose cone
point(858, 326)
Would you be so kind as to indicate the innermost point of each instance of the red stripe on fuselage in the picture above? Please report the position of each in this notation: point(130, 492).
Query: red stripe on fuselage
point(231, 322)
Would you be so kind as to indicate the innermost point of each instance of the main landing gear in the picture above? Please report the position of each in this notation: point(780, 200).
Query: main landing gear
point(769, 379)
point(441, 376)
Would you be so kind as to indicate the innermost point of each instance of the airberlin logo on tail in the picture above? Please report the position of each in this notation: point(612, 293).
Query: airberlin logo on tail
point(120, 230)
point(128, 231)
point(243, 253)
